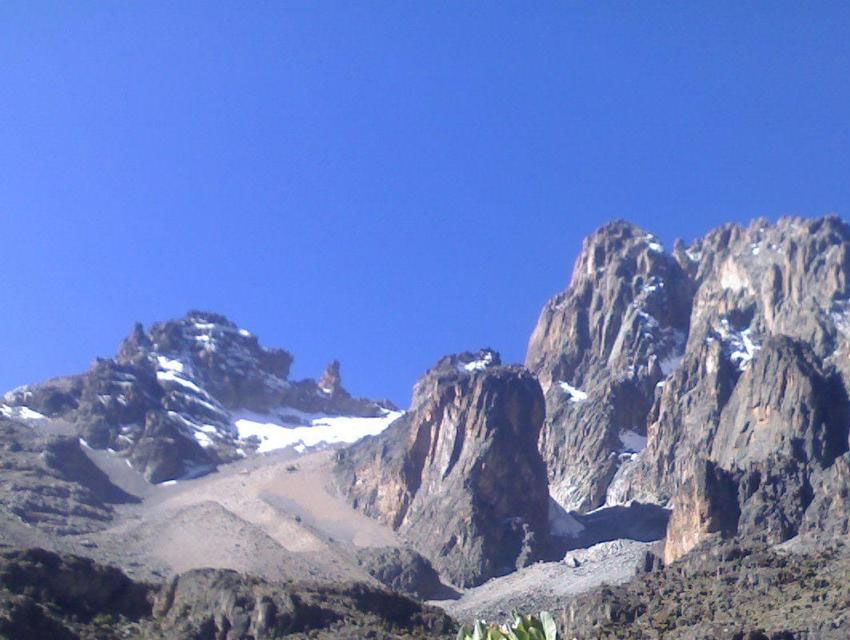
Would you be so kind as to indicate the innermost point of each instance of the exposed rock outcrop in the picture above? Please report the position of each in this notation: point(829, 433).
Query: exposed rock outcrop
point(746, 423)
point(724, 591)
point(216, 603)
point(599, 349)
point(171, 399)
point(460, 475)
point(64, 597)
point(50, 483)
point(402, 570)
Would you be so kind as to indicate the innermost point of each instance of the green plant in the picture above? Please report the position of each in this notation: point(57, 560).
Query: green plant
point(523, 627)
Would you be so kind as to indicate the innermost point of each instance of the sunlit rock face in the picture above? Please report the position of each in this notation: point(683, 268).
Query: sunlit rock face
point(733, 351)
point(460, 475)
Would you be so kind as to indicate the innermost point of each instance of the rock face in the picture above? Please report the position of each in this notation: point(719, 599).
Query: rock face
point(460, 475)
point(401, 570)
point(45, 595)
point(726, 591)
point(172, 399)
point(712, 379)
point(64, 597)
point(215, 603)
point(48, 482)
point(599, 350)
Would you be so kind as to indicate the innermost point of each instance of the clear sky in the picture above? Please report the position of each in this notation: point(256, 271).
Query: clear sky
point(384, 183)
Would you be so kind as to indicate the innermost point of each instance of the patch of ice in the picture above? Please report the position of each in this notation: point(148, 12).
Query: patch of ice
point(632, 441)
point(673, 360)
point(476, 365)
point(840, 315)
point(653, 243)
point(731, 278)
point(576, 395)
point(648, 319)
point(168, 483)
point(85, 444)
point(245, 332)
point(693, 255)
point(168, 364)
point(755, 248)
point(653, 284)
point(171, 376)
point(207, 405)
point(21, 413)
point(738, 344)
point(203, 439)
point(273, 432)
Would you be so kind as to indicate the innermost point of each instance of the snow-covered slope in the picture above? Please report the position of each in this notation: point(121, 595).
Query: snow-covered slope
point(188, 394)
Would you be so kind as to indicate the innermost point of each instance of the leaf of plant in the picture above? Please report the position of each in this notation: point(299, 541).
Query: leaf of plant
point(549, 626)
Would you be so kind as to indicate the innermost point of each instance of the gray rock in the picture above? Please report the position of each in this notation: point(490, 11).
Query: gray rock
point(165, 400)
point(460, 475)
point(401, 570)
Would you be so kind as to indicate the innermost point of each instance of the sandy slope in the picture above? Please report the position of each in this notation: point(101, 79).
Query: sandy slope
point(278, 517)
point(268, 515)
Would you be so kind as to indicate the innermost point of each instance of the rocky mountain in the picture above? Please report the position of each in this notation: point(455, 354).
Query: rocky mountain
point(712, 379)
point(189, 394)
point(692, 402)
point(460, 475)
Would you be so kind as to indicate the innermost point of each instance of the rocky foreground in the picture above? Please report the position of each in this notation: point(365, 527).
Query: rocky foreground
point(724, 592)
point(60, 597)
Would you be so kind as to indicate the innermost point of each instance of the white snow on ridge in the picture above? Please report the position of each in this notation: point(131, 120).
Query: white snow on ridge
point(168, 364)
point(476, 365)
point(653, 243)
point(273, 432)
point(576, 395)
point(21, 413)
point(171, 376)
point(693, 255)
point(739, 344)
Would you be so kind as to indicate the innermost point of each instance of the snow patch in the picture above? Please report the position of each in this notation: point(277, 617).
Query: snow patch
point(576, 395)
point(693, 255)
point(731, 278)
point(476, 365)
point(275, 432)
point(167, 364)
point(738, 344)
point(21, 413)
point(654, 243)
point(171, 376)
point(632, 441)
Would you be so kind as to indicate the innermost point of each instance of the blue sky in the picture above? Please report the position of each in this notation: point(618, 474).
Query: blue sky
point(384, 183)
